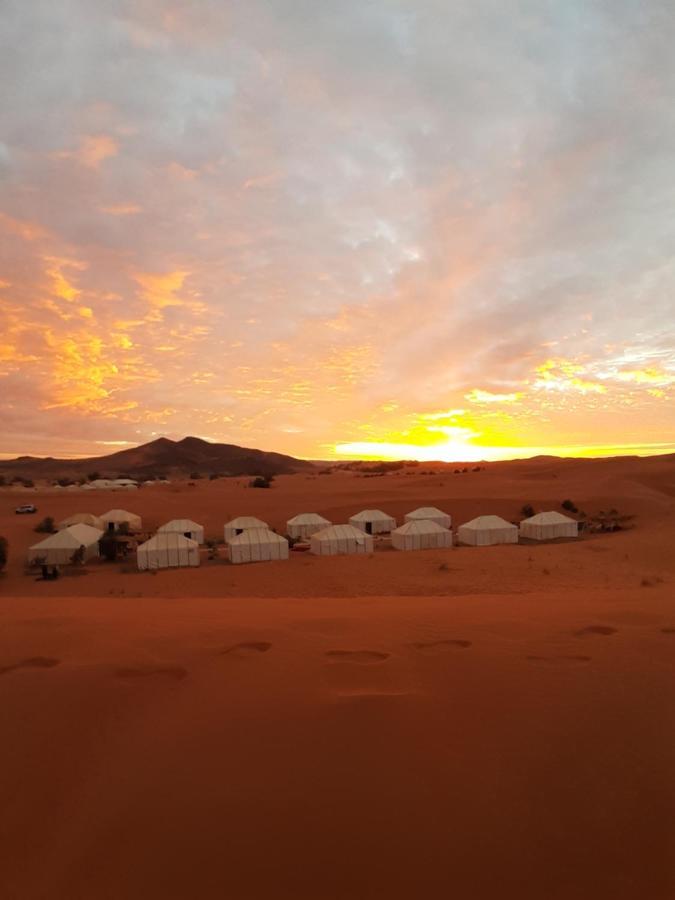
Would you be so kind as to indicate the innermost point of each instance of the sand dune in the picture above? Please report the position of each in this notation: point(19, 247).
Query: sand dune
point(350, 728)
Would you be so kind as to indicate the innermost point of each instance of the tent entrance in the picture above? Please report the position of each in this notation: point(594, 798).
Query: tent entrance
point(111, 526)
point(369, 527)
point(187, 534)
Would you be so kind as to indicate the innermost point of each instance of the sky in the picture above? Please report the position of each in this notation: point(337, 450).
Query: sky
point(431, 229)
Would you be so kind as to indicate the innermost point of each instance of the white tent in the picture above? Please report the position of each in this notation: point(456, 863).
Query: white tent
point(123, 484)
point(100, 484)
point(83, 519)
point(373, 521)
point(58, 549)
point(340, 539)
point(305, 525)
point(186, 527)
point(116, 517)
point(421, 535)
point(487, 530)
point(429, 514)
point(241, 524)
point(547, 526)
point(167, 550)
point(257, 545)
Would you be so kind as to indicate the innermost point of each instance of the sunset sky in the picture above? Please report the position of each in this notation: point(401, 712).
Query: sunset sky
point(436, 229)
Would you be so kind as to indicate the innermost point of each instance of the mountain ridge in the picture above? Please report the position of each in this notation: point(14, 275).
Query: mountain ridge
point(161, 456)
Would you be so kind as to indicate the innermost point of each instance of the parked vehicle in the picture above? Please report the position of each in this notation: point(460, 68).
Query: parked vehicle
point(26, 509)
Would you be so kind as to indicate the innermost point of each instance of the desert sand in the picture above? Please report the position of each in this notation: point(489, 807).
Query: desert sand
point(471, 723)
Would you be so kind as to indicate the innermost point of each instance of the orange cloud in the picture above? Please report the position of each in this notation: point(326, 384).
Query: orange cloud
point(93, 149)
point(122, 209)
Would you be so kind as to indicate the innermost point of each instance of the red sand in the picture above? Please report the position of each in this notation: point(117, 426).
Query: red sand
point(349, 728)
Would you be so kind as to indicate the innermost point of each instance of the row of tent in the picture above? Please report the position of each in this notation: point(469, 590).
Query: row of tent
point(251, 540)
point(102, 484)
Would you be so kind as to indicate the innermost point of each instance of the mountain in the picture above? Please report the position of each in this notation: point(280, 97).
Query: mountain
point(160, 457)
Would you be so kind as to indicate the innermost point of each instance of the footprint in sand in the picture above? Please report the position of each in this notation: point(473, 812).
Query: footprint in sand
point(177, 672)
point(596, 629)
point(33, 662)
point(558, 660)
point(449, 644)
point(247, 648)
point(361, 657)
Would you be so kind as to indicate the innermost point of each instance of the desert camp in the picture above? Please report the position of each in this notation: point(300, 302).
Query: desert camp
point(337, 458)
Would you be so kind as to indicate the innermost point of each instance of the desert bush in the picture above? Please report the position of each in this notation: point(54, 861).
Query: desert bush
point(46, 526)
point(195, 476)
point(527, 510)
point(261, 481)
point(569, 506)
point(4, 552)
point(2, 481)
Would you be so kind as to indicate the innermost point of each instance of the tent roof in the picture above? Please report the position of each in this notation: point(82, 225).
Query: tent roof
point(308, 519)
point(370, 515)
point(70, 538)
point(168, 540)
point(258, 536)
point(334, 532)
point(246, 522)
point(179, 525)
point(485, 522)
point(421, 526)
point(119, 515)
point(81, 519)
point(426, 512)
point(549, 518)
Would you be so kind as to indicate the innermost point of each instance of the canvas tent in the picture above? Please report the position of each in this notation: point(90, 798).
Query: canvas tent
point(305, 525)
point(487, 530)
point(100, 484)
point(547, 526)
point(241, 524)
point(186, 527)
point(167, 550)
point(116, 517)
point(373, 521)
point(58, 549)
point(82, 519)
point(257, 545)
point(429, 514)
point(124, 484)
point(421, 535)
point(340, 539)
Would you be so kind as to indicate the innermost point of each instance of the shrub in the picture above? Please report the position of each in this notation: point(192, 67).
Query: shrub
point(262, 481)
point(46, 526)
point(527, 510)
point(94, 476)
point(2, 481)
point(195, 476)
point(64, 482)
point(569, 506)
point(4, 552)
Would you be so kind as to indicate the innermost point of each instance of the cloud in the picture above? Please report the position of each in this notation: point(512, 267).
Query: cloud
point(301, 226)
point(92, 150)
